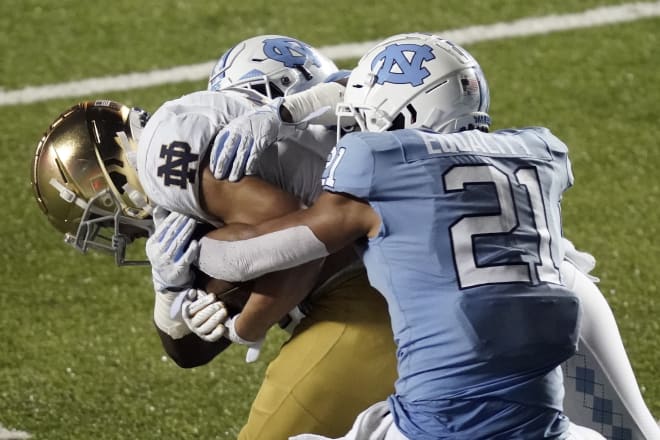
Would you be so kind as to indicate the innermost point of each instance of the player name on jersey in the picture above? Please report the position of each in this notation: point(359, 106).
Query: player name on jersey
point(509, 143)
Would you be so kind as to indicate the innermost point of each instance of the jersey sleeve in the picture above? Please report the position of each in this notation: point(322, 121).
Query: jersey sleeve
point(350, 167)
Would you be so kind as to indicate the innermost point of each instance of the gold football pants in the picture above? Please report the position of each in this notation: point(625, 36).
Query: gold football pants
point(339, 361)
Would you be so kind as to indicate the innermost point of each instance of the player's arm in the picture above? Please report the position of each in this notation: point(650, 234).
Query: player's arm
point(238, 145)
point(335, 221)
point(190, 350)
point(252, 201)
point(244, 252)
point(185, 348)
point(249, 201)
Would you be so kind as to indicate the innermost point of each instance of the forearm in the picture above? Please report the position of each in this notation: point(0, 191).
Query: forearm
point(280, 244)
point(190, 351)
point(250, 258)
point(273, 296)
point(331, 224)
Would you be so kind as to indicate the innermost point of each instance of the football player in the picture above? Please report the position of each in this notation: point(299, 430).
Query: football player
point(296, 396)
point(189, 350)
point(371, 191)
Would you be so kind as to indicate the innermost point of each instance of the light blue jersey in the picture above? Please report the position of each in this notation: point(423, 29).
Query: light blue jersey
point(468, 259)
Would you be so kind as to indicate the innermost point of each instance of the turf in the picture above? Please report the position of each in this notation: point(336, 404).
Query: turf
point(78, 355)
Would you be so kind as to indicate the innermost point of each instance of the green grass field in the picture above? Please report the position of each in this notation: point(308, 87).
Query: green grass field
point(79, 358)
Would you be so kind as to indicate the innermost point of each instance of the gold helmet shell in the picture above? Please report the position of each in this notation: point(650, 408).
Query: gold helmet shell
point(84, 178)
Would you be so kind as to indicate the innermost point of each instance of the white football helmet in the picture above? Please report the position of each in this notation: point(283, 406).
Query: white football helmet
point(416, 81)
point(273, 65)
point(85, 181)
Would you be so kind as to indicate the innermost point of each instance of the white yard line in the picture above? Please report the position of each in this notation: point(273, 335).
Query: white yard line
point(195, 72)
point(13, 435)
point(472, 34)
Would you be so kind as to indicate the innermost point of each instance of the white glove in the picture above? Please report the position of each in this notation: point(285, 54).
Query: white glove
point(239, 144)
point(172, 253)
point(204, 314)
point(208, 318)
point(295, 316)
point(254, 347)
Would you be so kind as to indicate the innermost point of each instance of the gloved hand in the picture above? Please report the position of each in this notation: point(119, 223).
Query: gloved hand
point(239, 144)
point(204, 314)
point(208, 318)
point(292, 319)
point(254, 347)
point(172, 253)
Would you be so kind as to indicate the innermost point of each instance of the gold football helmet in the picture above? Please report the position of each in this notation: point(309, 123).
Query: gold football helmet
point(85, 181)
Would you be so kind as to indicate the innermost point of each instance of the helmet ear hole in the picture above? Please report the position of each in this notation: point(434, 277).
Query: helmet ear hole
point(118, 180)
point(398, 123)
point(413, 113)
point(260, 88)
point(275, 91)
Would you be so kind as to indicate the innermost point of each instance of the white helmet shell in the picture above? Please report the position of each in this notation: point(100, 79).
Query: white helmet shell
point(273, 65)
point(417, 81)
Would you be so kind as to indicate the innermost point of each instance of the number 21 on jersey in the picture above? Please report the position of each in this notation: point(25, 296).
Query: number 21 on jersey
point(541, 270)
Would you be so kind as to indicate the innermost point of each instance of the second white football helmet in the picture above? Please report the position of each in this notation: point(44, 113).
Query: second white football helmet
point(417, 81)
point(273, 65)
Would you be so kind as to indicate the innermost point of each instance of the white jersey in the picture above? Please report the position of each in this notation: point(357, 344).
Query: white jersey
point(175, 142)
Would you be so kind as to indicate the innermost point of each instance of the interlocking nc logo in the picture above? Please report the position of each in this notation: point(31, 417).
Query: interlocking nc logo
point(176, 170)
point(289, 52)
point(402, 64)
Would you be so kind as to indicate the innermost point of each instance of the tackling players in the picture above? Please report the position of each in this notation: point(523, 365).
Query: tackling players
point(172, 163)
point(488, 206)
point(335, 330)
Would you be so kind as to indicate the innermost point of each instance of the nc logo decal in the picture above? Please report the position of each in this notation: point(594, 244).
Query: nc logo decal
point(402, 64)
point(289, 52)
